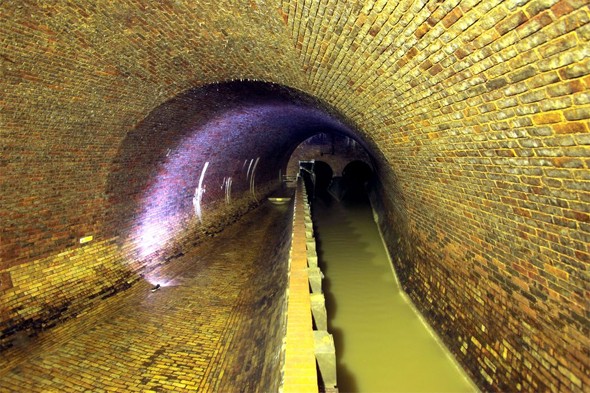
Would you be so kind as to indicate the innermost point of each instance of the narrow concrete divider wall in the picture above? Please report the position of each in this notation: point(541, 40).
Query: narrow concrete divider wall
point(324, 349)
point(300, 370)
point(305, 346)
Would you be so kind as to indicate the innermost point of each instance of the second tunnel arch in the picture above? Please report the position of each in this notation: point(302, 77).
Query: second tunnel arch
point(197, 142)
point(338, 152)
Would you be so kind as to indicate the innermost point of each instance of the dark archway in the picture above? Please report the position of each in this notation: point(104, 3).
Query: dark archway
point(356, 178)
point(323, 176)
point(357, 172)
point(317, 176)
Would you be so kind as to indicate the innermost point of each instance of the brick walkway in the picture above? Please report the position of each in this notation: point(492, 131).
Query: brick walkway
point(217, 328)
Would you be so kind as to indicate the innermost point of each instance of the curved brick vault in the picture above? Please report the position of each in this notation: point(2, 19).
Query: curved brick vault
point(476, 113)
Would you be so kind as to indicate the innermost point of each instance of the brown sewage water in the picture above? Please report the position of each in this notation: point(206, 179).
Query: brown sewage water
point(381, 343)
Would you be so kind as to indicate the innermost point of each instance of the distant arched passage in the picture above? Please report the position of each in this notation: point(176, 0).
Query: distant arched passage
point(323, 175)
point(357, 172)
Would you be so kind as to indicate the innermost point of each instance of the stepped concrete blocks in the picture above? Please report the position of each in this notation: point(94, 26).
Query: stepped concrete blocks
point(312, 259)
point(315, 279)
point(325, 354)
point(318, 309)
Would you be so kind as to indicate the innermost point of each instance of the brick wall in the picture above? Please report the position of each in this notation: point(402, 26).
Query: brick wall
point(191, 167)
point(476, 111)
point(486, 188)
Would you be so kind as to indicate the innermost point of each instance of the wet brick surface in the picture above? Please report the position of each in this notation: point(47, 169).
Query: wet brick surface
point(214, 328)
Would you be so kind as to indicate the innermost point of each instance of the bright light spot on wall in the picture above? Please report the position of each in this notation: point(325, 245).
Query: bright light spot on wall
point(151, 237)
point(227, 184)
point(249, 167)
point(86, 239)
point(252, 184)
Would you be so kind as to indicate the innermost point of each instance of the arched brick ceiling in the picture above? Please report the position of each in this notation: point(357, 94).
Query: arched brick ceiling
point(229, 128)
point(407, 71)
point(480, 108)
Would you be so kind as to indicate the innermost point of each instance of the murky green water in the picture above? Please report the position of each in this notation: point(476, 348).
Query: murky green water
point(381, 344)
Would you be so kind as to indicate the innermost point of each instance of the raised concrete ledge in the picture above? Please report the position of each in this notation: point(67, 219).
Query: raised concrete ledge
point(304, 346)
point(312, 259)
point(315, 277)
point(325, 354)
point(300, 373)
point(318, 309)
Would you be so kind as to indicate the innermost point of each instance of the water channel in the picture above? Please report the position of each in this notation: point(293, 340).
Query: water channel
point(381, 343)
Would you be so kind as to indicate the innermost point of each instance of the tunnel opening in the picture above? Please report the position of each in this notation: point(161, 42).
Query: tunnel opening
point(357, 177)
point(357, 173)
point(336, 151)
point(317, 176)
point(203, 158)
point(323, 176)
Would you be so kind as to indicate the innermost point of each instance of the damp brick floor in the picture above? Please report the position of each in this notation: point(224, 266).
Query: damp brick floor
point(197, 334)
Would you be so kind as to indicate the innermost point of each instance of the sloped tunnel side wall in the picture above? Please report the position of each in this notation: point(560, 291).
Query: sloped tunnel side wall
point(201, 160)
point(492, 272)
point(189, 169)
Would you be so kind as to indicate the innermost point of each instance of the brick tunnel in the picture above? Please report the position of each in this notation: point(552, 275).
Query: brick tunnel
point(141, 139)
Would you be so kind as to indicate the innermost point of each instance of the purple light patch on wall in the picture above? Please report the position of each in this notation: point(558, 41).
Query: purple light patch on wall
point(202, 153)
point(185, 182)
